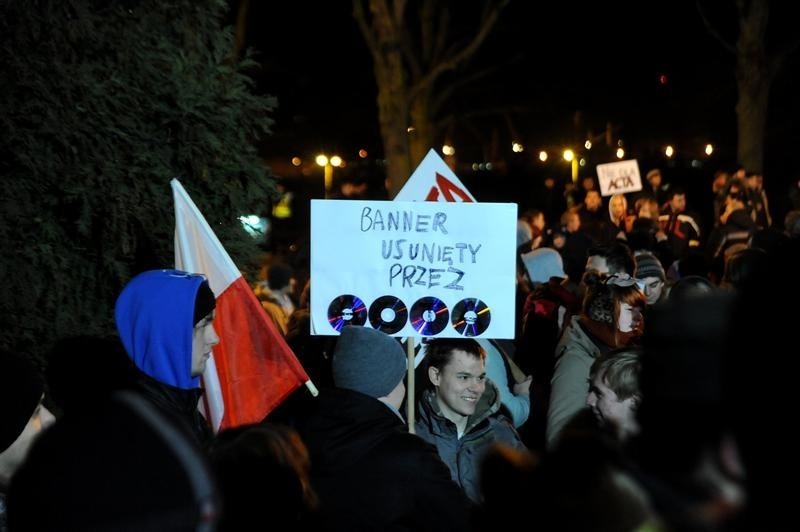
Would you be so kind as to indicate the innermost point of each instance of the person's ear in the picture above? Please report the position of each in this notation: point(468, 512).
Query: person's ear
point(637, 400)
point(434, 375)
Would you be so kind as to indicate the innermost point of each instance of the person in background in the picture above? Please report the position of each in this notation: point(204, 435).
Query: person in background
point(757, 200)
point(548, 309)
point(619, 222)
point(655, 187)
point(279, 288)
point(165, 320)
point(514, 396)
point(576, 246)
point(612, 317)
point(593, 219)
point(458, 411)
point(22, 418)
point(680, 226)
point(614, 393)
point(652, 276)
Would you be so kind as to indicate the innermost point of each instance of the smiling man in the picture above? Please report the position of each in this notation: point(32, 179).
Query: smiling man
point(459, 411)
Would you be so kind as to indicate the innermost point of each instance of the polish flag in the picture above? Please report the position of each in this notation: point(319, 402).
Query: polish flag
point(252, 369)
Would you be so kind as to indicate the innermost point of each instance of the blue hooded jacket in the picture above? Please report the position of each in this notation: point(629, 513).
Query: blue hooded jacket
point(154, 315)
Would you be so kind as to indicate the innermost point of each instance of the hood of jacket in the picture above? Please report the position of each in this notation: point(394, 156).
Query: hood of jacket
point(154, 315)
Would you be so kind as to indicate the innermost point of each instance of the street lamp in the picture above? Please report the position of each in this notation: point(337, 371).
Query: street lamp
point(570, 157)
point(327, 163)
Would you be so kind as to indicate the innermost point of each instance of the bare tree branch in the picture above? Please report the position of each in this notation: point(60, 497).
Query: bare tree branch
point(493, 13)
point(729, 46)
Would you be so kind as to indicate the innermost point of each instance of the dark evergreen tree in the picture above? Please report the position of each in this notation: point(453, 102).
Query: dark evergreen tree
point(102, 103)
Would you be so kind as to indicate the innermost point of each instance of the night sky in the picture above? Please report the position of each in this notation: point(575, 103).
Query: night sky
point(556, 72)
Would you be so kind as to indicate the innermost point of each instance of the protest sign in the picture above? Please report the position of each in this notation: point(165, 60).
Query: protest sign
point(413, 268)
point(619, 177)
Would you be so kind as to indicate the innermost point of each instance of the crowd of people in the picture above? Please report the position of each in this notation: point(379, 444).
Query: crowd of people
point(646, 389)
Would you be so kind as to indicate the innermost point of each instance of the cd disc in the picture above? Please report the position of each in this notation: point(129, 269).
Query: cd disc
point(471, 317)
point(429, 316)
point(346, 310)
point(388, 314)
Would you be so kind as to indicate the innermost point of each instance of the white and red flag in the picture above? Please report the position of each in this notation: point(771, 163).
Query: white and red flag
point(252, 369)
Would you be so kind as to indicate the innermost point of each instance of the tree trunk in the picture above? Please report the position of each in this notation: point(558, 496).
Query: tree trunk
point(406, 73)
point(423, 137)
point(383, 39)
point(754, 75)
point(751, 116)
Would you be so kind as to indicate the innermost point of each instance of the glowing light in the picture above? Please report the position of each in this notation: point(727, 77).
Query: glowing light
point(322, 159)
point(620, 153)
point(336, 161)
point(543, 156)
point(669, 151)
point(516, 147)
point(709, 149)
point(297, 161)
point(448, 149)
point(362, 153)
point(588, 144)
point(569, 155)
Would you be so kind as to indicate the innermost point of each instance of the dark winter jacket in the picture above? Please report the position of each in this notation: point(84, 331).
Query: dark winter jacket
point(371, 474)
point(463, 456)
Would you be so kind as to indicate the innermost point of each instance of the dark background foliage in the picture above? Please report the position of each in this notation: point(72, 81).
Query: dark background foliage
point(102, 103)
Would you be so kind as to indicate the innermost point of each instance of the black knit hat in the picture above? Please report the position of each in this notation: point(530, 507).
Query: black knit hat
point(21, 388)
point(204, 303)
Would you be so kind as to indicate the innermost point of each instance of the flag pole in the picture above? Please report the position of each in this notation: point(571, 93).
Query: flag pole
point(312, 388)
point(410, 387)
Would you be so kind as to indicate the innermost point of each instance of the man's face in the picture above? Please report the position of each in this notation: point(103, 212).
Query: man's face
point(204, 337)
point(653, 286)
point(609, 410)
point(40, 419)
point(459, 384)
point(573, 223)
point(593, 201)
point(678, 202)
point(655, 180)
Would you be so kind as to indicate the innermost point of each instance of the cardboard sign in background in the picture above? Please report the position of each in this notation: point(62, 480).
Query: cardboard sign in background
point(619, 177)
point(436, 262)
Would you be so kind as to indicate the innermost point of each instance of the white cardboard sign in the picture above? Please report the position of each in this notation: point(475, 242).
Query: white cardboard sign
point(619, 177)
point(413, 268)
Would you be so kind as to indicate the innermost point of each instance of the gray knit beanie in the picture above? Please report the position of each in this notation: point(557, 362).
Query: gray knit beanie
point(368, 361)
point(647, 265)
